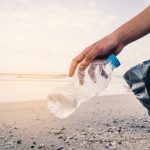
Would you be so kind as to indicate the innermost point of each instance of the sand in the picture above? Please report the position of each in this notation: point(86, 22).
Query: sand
point(107, 123)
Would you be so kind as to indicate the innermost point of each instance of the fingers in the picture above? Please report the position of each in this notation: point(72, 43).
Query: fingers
point(84, 59)
point(103, 73)
point(73, 66)
point(81, 75)
point(93, 52)
point(76, 61)
point(101, 50)
point(91, 72)
point(90, 56)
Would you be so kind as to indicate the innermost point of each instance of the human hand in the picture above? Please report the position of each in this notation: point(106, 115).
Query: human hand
point(101, 49)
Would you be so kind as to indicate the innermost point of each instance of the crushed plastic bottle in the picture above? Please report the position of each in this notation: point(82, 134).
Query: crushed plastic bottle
point(64, 100)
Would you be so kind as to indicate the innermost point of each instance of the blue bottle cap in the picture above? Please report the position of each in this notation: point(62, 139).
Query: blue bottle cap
point(114, 61)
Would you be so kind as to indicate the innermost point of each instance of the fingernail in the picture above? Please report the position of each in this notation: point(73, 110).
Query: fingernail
point(81, 67)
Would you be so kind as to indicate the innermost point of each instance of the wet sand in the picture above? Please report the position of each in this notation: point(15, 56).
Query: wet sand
point(107, 123)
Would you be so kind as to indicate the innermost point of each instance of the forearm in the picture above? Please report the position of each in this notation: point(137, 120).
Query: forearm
point(136, 28)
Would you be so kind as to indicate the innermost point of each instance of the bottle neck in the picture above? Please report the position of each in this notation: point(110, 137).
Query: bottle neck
point(111, 65)
point(114, 61)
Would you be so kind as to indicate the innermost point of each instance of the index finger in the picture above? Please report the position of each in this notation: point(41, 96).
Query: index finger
point(76, 61)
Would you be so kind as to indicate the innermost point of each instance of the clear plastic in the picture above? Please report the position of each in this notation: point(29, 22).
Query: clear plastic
point(64, 100)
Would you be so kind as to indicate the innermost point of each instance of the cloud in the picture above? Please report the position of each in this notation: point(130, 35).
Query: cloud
point(50, 32)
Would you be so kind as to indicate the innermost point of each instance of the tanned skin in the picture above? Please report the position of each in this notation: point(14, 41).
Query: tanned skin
point(113, 43)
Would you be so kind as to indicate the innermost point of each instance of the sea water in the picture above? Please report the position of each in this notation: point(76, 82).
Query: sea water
point(21, 88)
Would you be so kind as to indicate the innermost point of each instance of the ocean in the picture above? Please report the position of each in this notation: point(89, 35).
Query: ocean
point(34, 87)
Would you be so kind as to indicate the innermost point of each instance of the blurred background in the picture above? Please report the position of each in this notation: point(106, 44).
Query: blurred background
point(40, 38)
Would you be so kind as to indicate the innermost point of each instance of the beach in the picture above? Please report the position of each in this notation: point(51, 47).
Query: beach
point(113, 122)
point(38, 41)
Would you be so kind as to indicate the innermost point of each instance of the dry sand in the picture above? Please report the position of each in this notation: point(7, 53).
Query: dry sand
point(109, 122)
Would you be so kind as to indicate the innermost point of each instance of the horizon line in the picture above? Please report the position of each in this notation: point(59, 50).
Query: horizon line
point(32, 74)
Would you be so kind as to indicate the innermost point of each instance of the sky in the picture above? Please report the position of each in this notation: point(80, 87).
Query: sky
point(42, 36)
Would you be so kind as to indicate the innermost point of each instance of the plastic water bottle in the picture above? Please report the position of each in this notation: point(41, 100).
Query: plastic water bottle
point(64, 100)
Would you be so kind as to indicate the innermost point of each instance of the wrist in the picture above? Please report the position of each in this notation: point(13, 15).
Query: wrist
point(121, 37)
